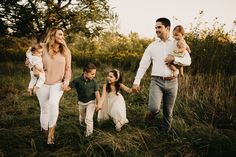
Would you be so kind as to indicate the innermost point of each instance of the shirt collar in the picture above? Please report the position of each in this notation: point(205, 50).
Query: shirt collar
point(82, 78)
point(169, 39)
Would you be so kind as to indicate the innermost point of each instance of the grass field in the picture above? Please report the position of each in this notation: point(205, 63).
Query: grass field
point(204, 120)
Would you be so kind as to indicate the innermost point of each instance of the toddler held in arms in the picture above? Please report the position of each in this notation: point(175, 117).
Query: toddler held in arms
point(180, 50)
point(37, 75)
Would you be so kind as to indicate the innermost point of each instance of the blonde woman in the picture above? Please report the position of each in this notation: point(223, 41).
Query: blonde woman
point(57, 66)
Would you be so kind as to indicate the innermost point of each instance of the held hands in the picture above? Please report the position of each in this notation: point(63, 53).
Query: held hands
point(135, 88)
point(65, 87)
point(169, 59)
point(98, 106)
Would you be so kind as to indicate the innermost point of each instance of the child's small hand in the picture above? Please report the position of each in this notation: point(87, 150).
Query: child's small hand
point(135, 88)
point(66, 89)
point(98, 107)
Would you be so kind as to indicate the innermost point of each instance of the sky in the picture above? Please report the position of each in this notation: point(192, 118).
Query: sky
point(140, 15)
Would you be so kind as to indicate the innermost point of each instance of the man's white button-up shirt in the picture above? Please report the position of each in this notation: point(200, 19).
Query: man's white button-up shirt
point(156, 53)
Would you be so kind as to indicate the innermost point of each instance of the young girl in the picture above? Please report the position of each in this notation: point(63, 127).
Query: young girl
point(113, 104)
point(181, 48)
point(37, 74)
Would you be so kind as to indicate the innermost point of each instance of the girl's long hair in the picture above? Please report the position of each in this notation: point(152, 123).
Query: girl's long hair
point(50, 41)
point(117, 83)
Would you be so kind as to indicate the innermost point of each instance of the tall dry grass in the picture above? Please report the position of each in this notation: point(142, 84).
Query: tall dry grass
point(204, 114)
point(203, 125)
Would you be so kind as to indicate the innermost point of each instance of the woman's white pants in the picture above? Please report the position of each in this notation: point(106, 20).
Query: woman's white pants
point(49, 97)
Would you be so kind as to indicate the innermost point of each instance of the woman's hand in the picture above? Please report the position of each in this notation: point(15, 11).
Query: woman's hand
point(36, 72)
point(65, 88)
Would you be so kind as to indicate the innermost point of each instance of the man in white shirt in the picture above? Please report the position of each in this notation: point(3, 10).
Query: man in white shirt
point(164, 85)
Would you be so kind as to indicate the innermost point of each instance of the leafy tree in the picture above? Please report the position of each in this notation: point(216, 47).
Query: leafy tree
point(32, 18)
point(3, 28)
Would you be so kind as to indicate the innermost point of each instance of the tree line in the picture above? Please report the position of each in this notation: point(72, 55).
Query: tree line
point(33, 18)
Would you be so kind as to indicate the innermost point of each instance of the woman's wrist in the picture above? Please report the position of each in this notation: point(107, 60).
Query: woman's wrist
point(66, 83)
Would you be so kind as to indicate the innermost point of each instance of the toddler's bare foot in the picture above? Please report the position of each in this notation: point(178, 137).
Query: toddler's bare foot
point(30, 90)
point(118, 129)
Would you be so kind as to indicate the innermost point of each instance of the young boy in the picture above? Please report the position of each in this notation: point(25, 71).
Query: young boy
point(88, 96)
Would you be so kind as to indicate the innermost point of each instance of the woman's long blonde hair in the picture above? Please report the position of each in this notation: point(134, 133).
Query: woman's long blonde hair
point(50, 41)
